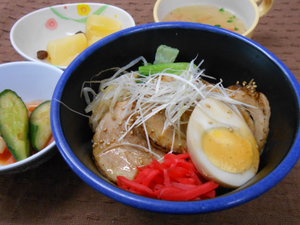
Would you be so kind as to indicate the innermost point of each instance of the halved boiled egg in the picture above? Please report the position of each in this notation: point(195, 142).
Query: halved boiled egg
point(221, 144)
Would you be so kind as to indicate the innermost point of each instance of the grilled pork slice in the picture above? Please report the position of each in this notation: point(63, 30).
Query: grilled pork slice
point(116, 157)
point(167, 138)
point(257, 117)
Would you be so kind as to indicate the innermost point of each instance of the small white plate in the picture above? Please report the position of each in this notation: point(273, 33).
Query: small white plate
point(33, 31)
point(31, 81)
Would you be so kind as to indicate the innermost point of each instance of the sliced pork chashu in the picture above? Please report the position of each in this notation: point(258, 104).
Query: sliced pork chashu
point(119, 158)
point(166, 138)
point(257, 117)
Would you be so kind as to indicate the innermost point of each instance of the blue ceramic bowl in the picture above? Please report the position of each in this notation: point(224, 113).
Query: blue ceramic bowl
point(228, 56)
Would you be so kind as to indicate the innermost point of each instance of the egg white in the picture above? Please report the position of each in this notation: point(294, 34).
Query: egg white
point(209, 114)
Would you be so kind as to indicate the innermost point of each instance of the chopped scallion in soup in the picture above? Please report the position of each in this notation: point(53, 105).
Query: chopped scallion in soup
point(211, 15)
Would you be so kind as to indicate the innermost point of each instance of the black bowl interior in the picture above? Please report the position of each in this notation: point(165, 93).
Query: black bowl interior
point(224, 56)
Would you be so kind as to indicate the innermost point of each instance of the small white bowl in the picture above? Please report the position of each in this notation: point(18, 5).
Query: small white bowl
point(31, 81)
point(249, 11)
point(33, 31)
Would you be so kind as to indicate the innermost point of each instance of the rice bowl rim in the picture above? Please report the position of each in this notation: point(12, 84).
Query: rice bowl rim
point(187, 207)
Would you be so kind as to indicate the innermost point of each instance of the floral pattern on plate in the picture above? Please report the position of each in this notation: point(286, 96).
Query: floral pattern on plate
point(82, 10)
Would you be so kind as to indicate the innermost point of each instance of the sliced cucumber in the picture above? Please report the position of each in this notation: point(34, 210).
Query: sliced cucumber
point(14, 124)
point(39, 125)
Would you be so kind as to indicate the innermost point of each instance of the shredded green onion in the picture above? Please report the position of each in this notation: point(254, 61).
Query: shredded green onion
point(155, 93)
point(153, 89)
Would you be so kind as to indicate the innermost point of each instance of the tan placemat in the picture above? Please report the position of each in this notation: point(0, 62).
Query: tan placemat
point(53, 194)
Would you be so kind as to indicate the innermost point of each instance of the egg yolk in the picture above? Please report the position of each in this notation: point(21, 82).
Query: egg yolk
point(228, 150)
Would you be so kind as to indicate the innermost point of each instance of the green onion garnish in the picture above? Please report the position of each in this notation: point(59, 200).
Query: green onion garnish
point(173, 68)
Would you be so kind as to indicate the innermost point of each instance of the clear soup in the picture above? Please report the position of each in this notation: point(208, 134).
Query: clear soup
point(211, 15)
